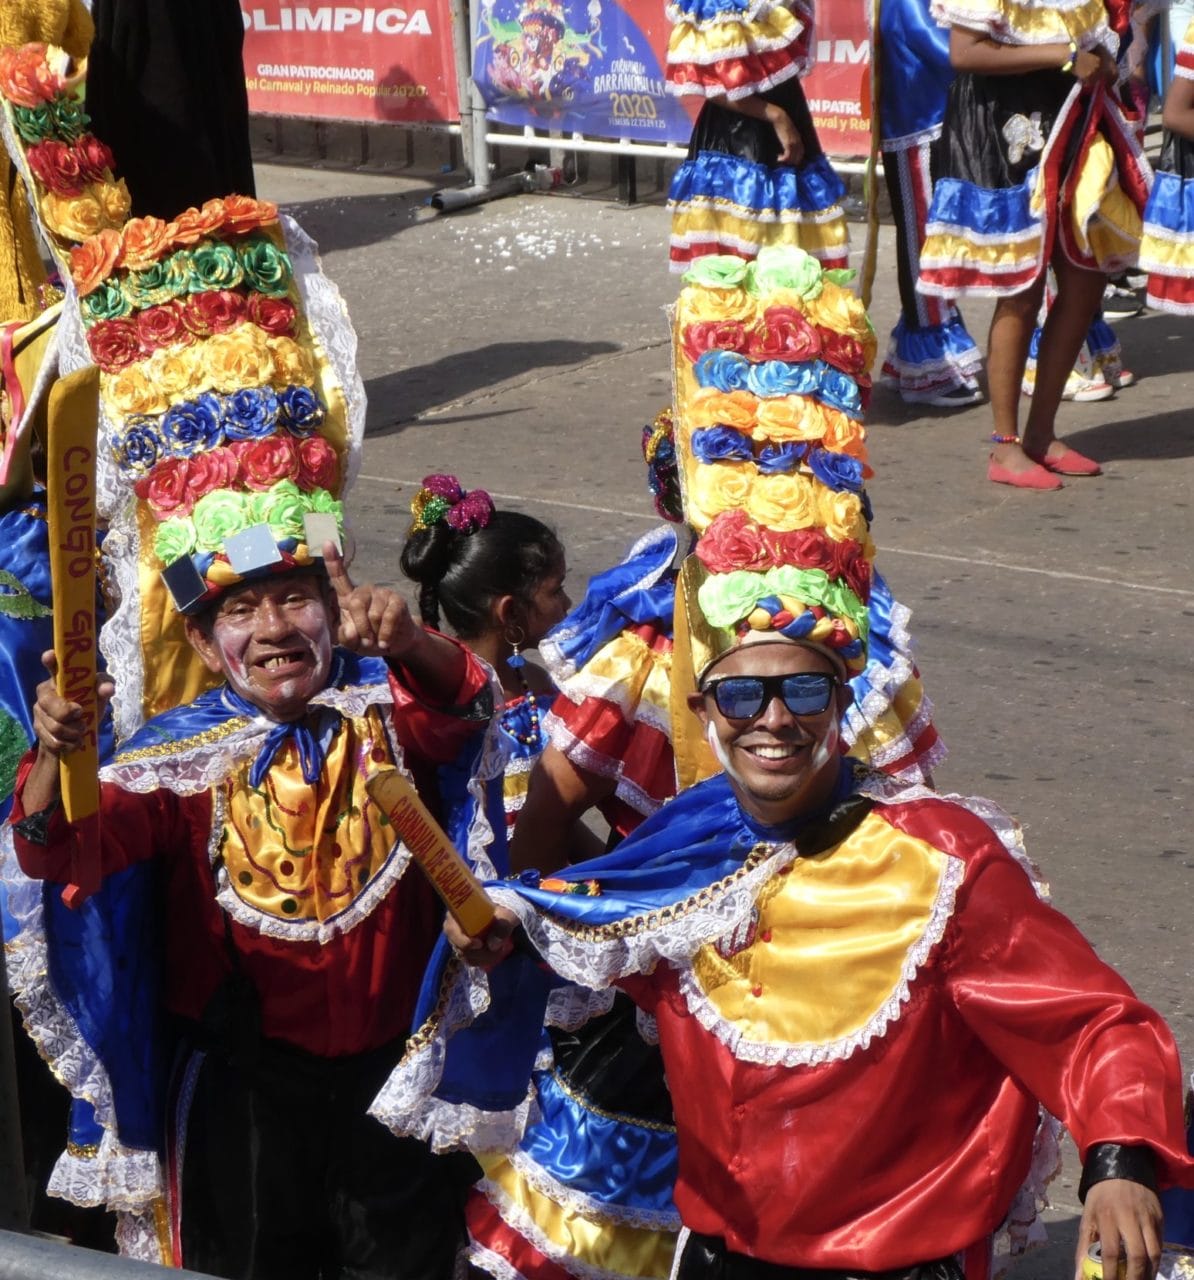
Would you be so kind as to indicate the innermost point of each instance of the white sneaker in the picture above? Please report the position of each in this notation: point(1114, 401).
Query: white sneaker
point(1086, 390)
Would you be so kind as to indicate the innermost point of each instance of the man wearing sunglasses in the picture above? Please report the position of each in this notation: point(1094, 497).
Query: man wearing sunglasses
point(860, 998)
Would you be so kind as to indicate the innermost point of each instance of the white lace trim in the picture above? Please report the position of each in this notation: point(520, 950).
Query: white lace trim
point(569, 1008)
point(1023, 1229)
point(493, 1263)
point(648, 1028)
point(74, 1063)
point(586, 1206)
point(681, 1241)
point(810, 1053)
point(586, 757)
point(137, 1237)
point(562, 669)
point(517, 1218)
point(118, 1177)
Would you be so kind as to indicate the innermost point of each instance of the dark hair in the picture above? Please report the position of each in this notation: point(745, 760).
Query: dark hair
point(464, 573)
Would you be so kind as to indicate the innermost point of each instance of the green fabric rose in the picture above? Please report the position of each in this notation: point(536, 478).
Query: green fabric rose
point(175, 539)
point(815, 586)
point(784, 266)
point(71, 122)
point(106, 301)
point(282, 507)
point(154, 285)
point(217, 515)
point(840, 275)
point(726, 598)
point(34, 124)
point(322, 503)
point(214, 265)
point(266, 267)
point(716, 271)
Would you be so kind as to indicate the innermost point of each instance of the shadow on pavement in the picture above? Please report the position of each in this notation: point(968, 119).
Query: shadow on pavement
point(1164, 435)
point(351, 222)
point(396, 399)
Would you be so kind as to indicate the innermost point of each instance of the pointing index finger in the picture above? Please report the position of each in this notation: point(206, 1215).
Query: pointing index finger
point(337, 573)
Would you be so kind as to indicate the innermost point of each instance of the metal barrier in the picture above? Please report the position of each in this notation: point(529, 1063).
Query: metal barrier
point(35, 1258)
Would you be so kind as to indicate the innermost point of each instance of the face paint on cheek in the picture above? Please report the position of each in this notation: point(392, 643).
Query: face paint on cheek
point(826, 748)
point(721, 752)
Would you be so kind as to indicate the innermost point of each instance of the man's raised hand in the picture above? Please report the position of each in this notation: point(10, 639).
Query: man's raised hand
point(59, 724)
point(373, 620)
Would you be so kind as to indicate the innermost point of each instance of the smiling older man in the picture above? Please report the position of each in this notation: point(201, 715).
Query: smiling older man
point(294, 939)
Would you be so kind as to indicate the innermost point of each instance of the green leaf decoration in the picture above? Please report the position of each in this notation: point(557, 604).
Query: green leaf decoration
point(17, 601)
point(13, 744)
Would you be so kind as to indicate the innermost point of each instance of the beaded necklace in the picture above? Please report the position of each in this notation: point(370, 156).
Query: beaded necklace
point(509, 718)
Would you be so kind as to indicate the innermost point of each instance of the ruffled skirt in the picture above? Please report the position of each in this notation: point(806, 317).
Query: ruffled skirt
point(1167, 249)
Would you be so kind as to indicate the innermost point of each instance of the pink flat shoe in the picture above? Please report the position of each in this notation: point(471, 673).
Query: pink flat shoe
point(1035, 478)
point(1070, 463)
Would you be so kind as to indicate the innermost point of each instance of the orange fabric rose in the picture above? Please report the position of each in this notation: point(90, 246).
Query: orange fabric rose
point(193, 225)
point(93, 261)
point(844, 435)
point(145, 241)
point(243, 213)
point(26, 78)
point(712, 408)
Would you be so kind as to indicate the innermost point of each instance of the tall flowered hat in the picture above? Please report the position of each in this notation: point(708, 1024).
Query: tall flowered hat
point(231, 411)
point(771, 362)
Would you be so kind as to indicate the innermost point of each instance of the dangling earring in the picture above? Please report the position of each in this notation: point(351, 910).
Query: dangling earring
point(534, 736)
point(516, 660)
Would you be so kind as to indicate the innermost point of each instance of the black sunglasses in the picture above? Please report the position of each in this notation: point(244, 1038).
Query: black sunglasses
point(806, 693)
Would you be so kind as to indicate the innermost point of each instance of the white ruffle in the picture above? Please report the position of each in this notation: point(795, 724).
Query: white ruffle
point(569, 1008)
point(648, 1028)
point(585, 757)
point(1023, 1229)
point(137, 1237)
point(491, 1263)
point(118, 1177)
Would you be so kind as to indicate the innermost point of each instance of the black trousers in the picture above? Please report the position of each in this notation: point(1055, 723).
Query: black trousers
point(707, 1258)
point(285, 1176)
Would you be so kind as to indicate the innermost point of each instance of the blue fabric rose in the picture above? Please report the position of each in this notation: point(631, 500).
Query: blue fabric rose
point(724, 370)
point(300, 410)
point(719, 444)
point(250, 414)
point(779, 457)
point(193, 426)
point(839, 390)
point(836, 470)
point(140, 447)
point(779, 378)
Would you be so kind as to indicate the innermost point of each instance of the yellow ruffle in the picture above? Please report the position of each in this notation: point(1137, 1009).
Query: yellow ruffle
point(941, 249)
point(717, 42)
point(628, 672)
point(834, 934)
point(891, 726)
point(603, 1245)
point(1025, 21)
point(695, 221)
point(1166, 257)
point(1107, 225)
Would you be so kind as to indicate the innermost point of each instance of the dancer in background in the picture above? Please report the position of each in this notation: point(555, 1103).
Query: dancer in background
point(755, 173)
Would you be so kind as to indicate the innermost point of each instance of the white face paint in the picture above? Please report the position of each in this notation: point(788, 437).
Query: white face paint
point(827, 747)
point(721, 751)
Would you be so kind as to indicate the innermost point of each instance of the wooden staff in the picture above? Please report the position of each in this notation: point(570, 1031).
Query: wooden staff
point(430, 847)
point(70, 502)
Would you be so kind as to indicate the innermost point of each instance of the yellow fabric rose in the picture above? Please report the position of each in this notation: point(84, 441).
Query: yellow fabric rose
point(130, 392)
point(782, 502)
point(711, 408)
point(173, 372)
point(238, 359)
point(841, 515)
point(115, 201)
point(717, 487)
point(292, 365)
point(789, 418)
point(717, 304)
point(72, 217)
point(839, 309)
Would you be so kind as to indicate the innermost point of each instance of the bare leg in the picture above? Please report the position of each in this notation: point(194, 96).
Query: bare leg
point(1079, 293)
point(1007, 354)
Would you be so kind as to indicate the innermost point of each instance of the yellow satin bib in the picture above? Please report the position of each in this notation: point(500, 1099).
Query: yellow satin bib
point(835, 938)
point(306, 852)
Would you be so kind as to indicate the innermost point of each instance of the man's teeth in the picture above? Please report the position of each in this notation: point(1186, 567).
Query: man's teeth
point(774, 753)
point(280, 661)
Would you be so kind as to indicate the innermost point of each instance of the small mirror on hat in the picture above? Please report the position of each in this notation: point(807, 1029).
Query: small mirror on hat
point(185, 584)
point(252, 549)
point(320, 528)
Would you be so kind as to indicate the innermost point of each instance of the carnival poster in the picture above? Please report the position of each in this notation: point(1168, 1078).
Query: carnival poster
point(351, 62)
point(839, 86)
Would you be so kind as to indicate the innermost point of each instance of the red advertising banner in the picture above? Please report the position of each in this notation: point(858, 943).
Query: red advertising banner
point(839, 87)
point(351, 61)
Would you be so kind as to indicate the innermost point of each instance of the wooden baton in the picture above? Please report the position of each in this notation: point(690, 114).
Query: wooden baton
point(441, 862)
point(70, 504)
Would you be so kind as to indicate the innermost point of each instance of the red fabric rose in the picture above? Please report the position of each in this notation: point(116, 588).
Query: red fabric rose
point(25, 76)
point(842, 351)
point(166, 489)
point(114, 344)
point(802, 548)
point(216, 311)
point(56, 166)
point(855, 568)
point(274, 315)
point(319, 467)
point(713, 335)
point(784, 334)
point(163, 326)
point(215, 469)
point(732, 542)
point(94, 158)
point(264, 462)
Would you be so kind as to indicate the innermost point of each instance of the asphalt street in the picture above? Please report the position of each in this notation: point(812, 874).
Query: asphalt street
point(522, 344)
